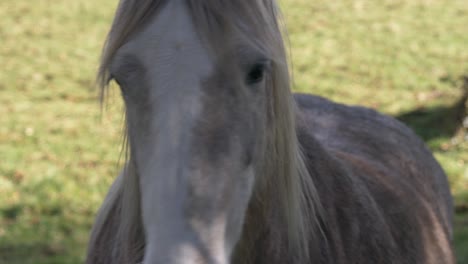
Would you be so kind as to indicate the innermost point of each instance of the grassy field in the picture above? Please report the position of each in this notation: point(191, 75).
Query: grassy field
point(59, 154)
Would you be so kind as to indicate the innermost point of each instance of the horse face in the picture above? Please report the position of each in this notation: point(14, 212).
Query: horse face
point(196, 119)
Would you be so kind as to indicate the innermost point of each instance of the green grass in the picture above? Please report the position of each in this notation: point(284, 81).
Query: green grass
point(59, 154)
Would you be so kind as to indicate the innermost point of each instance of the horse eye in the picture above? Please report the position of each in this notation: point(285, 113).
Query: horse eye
point(256, 72)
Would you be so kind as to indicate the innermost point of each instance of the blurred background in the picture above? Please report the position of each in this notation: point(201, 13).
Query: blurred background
point(59, 152)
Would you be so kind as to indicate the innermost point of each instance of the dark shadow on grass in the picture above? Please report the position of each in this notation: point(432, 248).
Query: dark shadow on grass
point(462, 204)
point(438, 122)
point(28, 253)
point(461, 227)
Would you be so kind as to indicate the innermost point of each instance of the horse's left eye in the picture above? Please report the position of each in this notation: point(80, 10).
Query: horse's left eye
point(256, 73)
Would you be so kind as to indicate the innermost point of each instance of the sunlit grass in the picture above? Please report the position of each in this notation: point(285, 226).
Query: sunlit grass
point(59, 154)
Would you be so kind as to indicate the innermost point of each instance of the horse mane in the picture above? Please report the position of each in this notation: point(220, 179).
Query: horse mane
point(284, 182)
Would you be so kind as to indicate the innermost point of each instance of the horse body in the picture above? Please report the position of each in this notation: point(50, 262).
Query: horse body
point(391, 202)
point(385, 198)
point(226, 166)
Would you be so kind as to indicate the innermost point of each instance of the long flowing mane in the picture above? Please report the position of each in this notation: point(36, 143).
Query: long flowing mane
point(284, 183)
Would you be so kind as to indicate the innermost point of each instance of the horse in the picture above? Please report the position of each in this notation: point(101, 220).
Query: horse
point(226, 165)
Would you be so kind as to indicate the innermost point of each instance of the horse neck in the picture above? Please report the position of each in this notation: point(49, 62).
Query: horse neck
point(341, 195)
point(266, 233)
point(263, 236)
